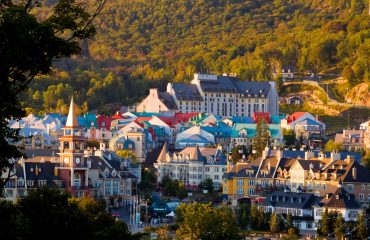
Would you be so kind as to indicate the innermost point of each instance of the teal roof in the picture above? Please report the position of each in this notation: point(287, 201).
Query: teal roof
point(145, 114)
point(220, 130)
point(195, 139)
point(240, 119)
point(275, 119)
point(251, 130)
point(87, 120)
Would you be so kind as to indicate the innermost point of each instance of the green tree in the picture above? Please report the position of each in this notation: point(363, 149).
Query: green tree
point(332, 146)
point(202, 221)
point(127, 154)
point(181, 191)
point(325, 223)
point(169, 187)
point(44, 212)
point(243, 215)
point(262, 136)
point(292, 234)
point(235, 153)
point(207, 184)
point(253, 217)
point(339, 227)
point(148, 182)
point(361, 231)
point(29, 47)
point(366, 160)
point(274, 223)
point(289, 137)
point(289, 221)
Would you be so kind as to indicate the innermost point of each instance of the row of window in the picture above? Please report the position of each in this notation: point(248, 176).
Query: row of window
point(240, 182)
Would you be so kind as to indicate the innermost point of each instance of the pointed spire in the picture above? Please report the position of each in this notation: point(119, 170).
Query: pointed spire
point(72, 118)
point(162, 154)
point(196, 154)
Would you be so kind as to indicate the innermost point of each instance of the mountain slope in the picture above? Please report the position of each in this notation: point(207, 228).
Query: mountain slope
point(145, 43)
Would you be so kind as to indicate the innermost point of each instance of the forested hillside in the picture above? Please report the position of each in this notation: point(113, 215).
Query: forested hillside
point(145, 43)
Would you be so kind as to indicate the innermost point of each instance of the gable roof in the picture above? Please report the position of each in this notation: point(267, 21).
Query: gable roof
point(341, 199)
point(167, 100)
point(184, 91)
point(290, 200)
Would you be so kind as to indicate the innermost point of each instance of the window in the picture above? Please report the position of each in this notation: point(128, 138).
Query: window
point(240, 182)
point(207, 169)
point(216, 177)
point(362, 187)
point(216, 169)
point(309, 225)
point(199, 169)
point(361, 197)
point(323, 186)
point(251, 191)
point(240, 191)
point(350, 187)
point(368, 197)
point(251, 182)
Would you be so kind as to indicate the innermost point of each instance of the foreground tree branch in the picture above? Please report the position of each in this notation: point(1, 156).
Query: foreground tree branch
point(28, 48)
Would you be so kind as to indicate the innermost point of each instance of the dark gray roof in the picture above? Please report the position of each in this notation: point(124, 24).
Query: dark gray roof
point(45, 172)
point(185, 91)
point(341, 199)
point(41, 152)
point(233, 85)
point(253, 88)
point(362, 175)
point(290, 200)
point(223, 84)
point(168, 100)
point(307, 164)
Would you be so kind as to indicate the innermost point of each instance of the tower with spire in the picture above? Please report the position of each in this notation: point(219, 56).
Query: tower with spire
point(73, 167)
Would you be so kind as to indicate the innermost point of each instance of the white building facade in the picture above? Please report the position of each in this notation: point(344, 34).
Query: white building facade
point(220, 95)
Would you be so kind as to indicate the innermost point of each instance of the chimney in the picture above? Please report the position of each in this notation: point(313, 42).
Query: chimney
point(349, 159)
point(279, 154)
point(265, 152)
point(308, 155)
point(153, 92)
point(354, 173)
point(56, 172)
point(88, 163)
point(334, 156)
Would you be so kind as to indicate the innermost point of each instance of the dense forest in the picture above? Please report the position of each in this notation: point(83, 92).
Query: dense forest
point(145, 43)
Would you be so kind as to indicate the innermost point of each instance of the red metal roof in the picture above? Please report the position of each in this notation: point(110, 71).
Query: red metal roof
point(261, 115)
point(295, 116)
point(104, 119)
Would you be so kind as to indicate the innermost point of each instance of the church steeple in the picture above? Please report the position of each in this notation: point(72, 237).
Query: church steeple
point(72, 117)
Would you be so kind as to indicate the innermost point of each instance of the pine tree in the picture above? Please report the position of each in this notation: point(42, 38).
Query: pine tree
point(274, 223)
point(253, 217)
point(325, 223)
point(289, 221)
point(339, 229)
point(361, 232)
point(262, 136)
point(244, 212)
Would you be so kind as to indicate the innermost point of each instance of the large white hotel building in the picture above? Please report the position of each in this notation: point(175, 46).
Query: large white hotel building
point(220, 95)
